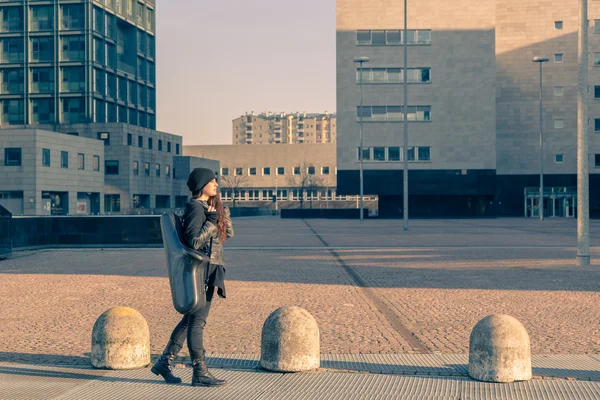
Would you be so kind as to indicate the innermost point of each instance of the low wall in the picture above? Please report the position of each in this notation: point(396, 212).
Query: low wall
point(333, 213)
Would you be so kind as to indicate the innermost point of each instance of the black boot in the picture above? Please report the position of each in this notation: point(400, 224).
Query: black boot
point(163, 366)
point(202, 377)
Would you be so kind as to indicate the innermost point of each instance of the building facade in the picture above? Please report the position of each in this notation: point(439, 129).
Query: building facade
point(70, 62)
point(253, 175)
point(45, 173)
point(473, 96)
point(282, 128)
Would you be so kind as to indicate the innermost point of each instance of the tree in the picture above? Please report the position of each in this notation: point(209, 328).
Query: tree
point(305, 182)
point(234, 183)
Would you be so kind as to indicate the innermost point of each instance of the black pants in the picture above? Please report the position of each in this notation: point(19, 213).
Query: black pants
point(194, 324)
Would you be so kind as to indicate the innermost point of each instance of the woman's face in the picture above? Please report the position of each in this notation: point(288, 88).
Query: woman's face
point(211, 188)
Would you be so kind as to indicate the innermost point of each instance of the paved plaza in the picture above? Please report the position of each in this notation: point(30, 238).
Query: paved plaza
point(377, 292)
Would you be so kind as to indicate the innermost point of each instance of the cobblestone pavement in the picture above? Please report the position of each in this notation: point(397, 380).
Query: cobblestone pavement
point(436, 280)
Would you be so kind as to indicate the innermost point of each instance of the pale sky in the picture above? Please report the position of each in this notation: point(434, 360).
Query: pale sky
point(218, 59)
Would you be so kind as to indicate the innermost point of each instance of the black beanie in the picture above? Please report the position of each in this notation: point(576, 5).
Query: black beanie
point(199, 177)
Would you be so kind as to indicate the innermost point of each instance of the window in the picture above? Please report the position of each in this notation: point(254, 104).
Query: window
point(394, 75)
point(559, 90)
point(111, 167)
point(177, 148)
point(266, 171)
point(96, 163)
point(42, 18)
point(596, 160)
point(311, 170)
point(252, 171)
point(80, 161)
point(72, 16)
point(136, 168)
point(558, 158)
point(411, 154)
point(393, 113)
point(73, 48)
point(559, 123)
point(597, 92)
point(129, 139)
point(424, 153)
point(105, 137)
point(280, 170)
point(42, 80)
point(64, 159)
point(46, 157)
point(13, 50)
point(596, 58)
point(558, 25)
point(158, 170)
point(392, 37)
point(224, 171)
point(112, 203)
point(73, 79)
point(379, 153)
point(558, 58)
point(168, 171)
point(597, 26)
point(168, 147)
point(42, 49)
point(147, 169)
point(140, 141)
point(12, 157)
point(238, 171)
point(42, 111)
point(324, 170)
point(596, 124)
point(393, 153)
point(150, 143)
point(159, 145)
point(366, 154)
point(296, 170)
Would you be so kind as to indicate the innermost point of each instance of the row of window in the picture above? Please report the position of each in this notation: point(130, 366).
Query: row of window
point(42, 18)
point(150, 144)
point(393, 37)
point(14, 157)
point(394, 75)
point(136, 169)
point(106, 24)
point(394, 153)
point(393, 113)
point(266, 171)
point(132, 10)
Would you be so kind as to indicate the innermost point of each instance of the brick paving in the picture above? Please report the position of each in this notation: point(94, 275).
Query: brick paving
point(436, 280)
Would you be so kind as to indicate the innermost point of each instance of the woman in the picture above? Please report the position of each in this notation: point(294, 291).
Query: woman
point(206, 226)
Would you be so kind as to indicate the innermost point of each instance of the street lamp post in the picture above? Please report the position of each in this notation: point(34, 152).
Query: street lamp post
point(361, 61)
point(405, 123)
point(541, 60)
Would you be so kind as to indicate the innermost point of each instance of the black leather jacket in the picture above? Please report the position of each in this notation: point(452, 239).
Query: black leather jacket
point(199, 230)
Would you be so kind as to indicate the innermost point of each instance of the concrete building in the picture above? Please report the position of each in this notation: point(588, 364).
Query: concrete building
point(77, 62)
point(276, 128)
point(44, 173)
point(296, 172)
point(473, 100)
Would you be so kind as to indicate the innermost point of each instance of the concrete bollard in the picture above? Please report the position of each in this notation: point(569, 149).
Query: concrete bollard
point(499, 350)
point(290, 341)
point(120, 340)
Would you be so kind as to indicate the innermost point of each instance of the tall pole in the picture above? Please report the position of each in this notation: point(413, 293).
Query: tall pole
point(541, 152)
point(405, 109)
point(361, 142)
point(583, 210)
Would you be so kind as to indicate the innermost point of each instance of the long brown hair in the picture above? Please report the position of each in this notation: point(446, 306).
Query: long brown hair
point(216, 202)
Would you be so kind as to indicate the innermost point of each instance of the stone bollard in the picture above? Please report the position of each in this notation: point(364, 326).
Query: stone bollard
point(120, 340)
point(290, 341)
point(499, 350)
